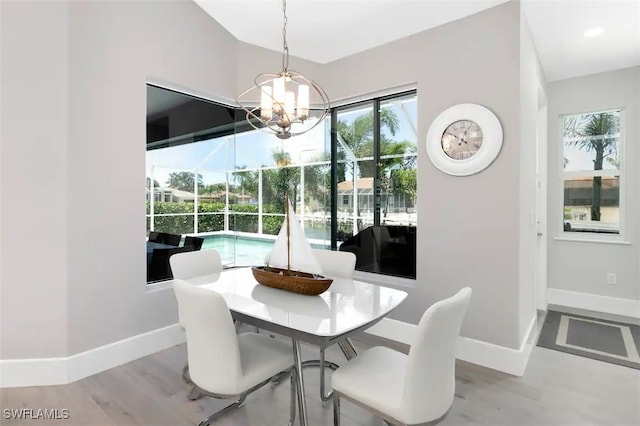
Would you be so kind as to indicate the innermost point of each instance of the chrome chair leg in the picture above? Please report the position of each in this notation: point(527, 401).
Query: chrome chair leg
point(324, 397)
point(226, 410)
point(229, 408)
point(292, 409)
point(347, 348)
point(336, 410)
point(279, 378)
point(349, 352)
point(185, 374)
point(194, 394)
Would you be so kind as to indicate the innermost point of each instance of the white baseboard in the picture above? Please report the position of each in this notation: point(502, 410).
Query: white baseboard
point(501, 358)
point(594, 302)
point(63, 370)
point(33, 372)
point(508, 360)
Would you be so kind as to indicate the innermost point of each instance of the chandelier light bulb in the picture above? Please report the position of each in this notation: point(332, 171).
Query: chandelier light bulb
point(266, 103)
point(303, 101)
point(278, 94)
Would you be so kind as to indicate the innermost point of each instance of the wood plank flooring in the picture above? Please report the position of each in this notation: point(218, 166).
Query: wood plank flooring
point(557, 389)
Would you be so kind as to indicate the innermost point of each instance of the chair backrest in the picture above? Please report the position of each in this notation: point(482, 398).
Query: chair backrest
point(340, 264)
point(212, 345)
point(196, 242)
point(155, 237)
point(171, 239)
point(430, 371)
point(195, 264)
point(160, 261)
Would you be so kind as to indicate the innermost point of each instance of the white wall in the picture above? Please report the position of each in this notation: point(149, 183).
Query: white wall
point(469, 227)
point(92, 290)
point(34, 136)
point(115, 47)
point(73, 144)
point(531, 82)
point(582, 266)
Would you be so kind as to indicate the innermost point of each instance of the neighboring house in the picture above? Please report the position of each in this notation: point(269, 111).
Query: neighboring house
point(172, 195)
point(578, 199)
point(397, 203)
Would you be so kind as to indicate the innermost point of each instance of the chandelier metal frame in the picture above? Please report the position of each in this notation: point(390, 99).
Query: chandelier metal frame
point(282, 116)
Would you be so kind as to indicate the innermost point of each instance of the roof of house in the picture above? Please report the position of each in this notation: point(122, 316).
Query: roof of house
point(361, 184)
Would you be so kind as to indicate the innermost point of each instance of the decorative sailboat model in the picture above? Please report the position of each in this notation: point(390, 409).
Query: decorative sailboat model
point(292, 265)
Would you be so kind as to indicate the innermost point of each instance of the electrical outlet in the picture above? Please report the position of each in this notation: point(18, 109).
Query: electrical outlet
point(611, 278)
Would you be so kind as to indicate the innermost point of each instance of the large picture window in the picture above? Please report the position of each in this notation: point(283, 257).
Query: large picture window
point(213, 182)
point(592, 172)
point(376, 174)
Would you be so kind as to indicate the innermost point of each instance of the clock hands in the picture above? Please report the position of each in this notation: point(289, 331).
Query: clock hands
point(465, 132)
point(457, 137)
point(462, 139)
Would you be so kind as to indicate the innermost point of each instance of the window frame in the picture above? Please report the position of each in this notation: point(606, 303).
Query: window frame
point(620, 171)
point(376, 101)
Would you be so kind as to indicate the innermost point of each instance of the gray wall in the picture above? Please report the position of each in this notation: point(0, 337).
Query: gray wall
point(73, 162)
point(86, 161)
point(582, 266)
point(469, 226)
point(34, 134)
point(115, 47)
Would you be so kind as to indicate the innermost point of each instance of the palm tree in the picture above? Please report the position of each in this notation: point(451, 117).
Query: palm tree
point(595, 132)
point(358, 136)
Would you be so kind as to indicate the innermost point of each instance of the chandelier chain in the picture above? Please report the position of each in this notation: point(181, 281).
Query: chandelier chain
point(285, 46)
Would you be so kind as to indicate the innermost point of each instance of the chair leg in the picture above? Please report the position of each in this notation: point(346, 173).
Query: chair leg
point(292, 412)
point(194, 394)
point(185, 374)
point(336, 410)
point(324, 397)
point(226, 410)
point(323, 364)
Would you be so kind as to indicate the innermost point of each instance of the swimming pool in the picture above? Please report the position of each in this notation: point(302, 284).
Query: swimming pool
point(240, 250)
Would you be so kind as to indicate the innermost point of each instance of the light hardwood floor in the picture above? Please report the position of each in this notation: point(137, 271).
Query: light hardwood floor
point(557, 389)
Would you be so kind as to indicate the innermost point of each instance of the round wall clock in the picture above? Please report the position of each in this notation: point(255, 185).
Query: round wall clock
point(464, 139)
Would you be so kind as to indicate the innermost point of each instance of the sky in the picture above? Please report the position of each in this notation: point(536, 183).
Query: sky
point(255, 149)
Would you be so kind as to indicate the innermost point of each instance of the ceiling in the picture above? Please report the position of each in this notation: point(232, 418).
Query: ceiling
point(326, 30)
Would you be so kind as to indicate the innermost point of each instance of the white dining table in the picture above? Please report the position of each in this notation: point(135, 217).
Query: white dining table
point(346, 308)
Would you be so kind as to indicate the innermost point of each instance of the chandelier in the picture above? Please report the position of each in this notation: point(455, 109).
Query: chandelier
point(284, 97)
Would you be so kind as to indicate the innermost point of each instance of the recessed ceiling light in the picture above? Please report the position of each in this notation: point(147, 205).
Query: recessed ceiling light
point(593, 32)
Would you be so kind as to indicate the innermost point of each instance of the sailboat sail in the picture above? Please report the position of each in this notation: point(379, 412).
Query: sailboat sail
point(302, 257)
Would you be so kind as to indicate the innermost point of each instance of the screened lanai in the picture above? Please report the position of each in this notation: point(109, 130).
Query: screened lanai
point(219, 181)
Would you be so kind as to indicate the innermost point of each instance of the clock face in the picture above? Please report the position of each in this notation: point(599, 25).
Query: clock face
point(462, 139)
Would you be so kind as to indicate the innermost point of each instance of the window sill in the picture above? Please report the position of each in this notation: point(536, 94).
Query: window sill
point(385, 280)
point(159, 286)
point(593, 240)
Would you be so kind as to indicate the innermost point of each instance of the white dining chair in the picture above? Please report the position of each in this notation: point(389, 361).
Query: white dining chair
point(191, 264)
point(340, 264)
point(188, 265)
point(223, 364)
point(408, 389)
point(334, 264)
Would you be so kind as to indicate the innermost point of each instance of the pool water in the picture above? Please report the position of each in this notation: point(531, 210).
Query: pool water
point(240, 250)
